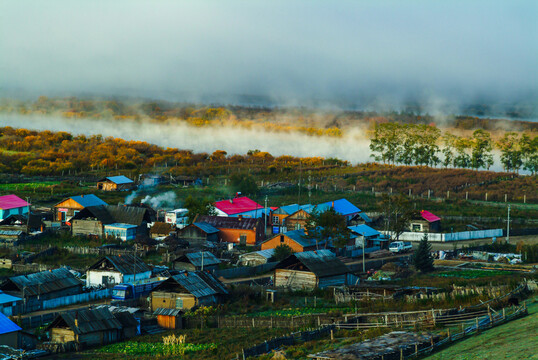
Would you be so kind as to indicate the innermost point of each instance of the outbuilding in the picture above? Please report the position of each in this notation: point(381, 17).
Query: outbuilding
point(203, 260)
point(115, 183)
point(9, 332)
point(199, 234)
point(312, 269)
point(120, 231)
point(169, 318)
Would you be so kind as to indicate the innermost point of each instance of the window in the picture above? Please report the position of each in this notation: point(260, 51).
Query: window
point(416, 227)
point(63, 215)
point(179, 303)
point(243, 239)
point(281, 239)
point(75, 212)
point(297, 226)
point(275, 219)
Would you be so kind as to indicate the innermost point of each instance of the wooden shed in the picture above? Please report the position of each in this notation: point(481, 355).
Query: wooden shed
point(169, 318)
point(9, 332)
point(199, 233)
point(115, 183)
point(312, 269)
point(203, 260)
point(425, 221)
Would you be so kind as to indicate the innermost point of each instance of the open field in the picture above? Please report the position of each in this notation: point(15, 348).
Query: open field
point(516, 340)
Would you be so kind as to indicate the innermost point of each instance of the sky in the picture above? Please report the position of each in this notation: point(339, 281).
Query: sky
point(372, 53)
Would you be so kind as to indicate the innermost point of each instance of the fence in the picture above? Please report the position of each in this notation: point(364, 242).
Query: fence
point(445, 237)
point(102, 251)
point(291, 322)
point(76, 299)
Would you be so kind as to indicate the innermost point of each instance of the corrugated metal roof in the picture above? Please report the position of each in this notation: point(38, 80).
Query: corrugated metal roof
point(341, 206)
point(267, 254)
point(198, 283)
point(120, 225)
point(167, 312)
point(364, 230)
point(365, 217)
point(44, 282)
point(88, 200)
point(124, 264)
point(237, 205)
point(119, 180)
point(196, 258)
point(7, 326)
point(11, 232)
point(428, 216)
point(321, 262)
point(6, 298)
point(12, 202)
point(89, 321)
point(300, 237)
point(225, 222)
point(109, 214)
point(206, 227)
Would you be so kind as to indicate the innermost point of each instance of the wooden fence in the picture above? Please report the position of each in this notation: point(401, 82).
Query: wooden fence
point(102, 251)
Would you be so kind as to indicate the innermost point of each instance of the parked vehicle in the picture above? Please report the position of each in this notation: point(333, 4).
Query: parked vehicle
point(134, 290)
point(400, 247)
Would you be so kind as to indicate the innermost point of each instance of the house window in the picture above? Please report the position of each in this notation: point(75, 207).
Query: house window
point(179, 303)
point(75, 212)
point(298, 226)
point(63, 215)
point(243, 239)
point(416, 227)
point(275, 219)
point(281, 239)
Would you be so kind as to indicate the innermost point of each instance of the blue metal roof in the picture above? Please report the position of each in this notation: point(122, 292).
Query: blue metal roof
point(258, 213)
point(207, 228)
point(290, 209)
point(6, 298)
point(88, 200)
point(7, 326)
point(364, 230)
point(120, 225)
point(120, 179)
point(341, 206)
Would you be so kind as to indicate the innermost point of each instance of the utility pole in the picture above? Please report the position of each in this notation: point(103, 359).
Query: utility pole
point(265, 217)
point(508, 226)
point(363, 255)
point(202, 261)
point(134, 273)
point(28, 214)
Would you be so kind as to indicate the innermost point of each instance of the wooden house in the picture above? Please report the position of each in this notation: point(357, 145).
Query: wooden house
point(10, 305)
point(186, 290)
point(66, 209)
point(256, 257)
point(238, 230)
point(91, 221)
point(203, 260)
point(91, 327)
point(341, 206)
point(13, 205)
point(198, 234)
point(113, 270)
point(169, 318)
point(296, 239)
point(9, 332)
point(45, 285)
point(425, 221)
point(367, 236)
point(312, 269)
point(298, 219)
point(115, 183)
point(161, 230)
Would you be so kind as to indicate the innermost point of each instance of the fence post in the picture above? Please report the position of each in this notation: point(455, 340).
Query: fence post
point(477, 331)
point(449, 337)
point(433, 317)
point(504, 313)
point(401, 354)
point(332, 334)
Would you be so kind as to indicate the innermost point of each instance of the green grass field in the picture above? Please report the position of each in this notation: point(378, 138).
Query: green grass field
point(515, 340)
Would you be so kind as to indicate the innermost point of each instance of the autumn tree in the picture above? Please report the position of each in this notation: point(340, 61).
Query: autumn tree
point(199, 207)
point(511, 154)
point(328, 225)
point(398, 213)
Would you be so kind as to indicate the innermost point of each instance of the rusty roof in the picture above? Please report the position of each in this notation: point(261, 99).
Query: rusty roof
point(43, 282)
point(198, 283)
point(225, 222)
point(89, 321)
point(167, 312)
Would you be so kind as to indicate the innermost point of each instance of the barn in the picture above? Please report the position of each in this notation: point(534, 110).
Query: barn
point(169, 318)
point(115, 183)
point(312, 269)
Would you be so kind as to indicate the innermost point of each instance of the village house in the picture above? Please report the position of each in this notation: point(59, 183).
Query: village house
point(298, 219)
point(237, 230)
point(169, 318)
point(116, 269)
point(235, 206)
point(26, 223)
point(425, 222)
point(92, 220)
point(13, 205)
point(340, 206)
point(279, 215)
point(115, 183)
point(161, 230)
point(9, 332)
point(312, 269)
point(256, 257)
point(295, 239)
point(66, 209)
point(199, 234)
point(44, 285)
point(89, 327)
point(10, 305)
point(120, 231)
point(367, 236)
point(186, 290)
point(203, 260)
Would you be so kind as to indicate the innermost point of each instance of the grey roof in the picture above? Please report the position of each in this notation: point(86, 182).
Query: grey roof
point(206, 227)
point(124, 264)
point(167, 312)
point(226, 222)
point(198, 283)
point(196, 258)
point(320, 262)
point(109, 214)
point(89, 321)
point(267, 254)
point(119, 180)
point(43, 282)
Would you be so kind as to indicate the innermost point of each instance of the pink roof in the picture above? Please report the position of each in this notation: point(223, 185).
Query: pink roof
point(11, 202)
point(428, 216)
point(237, 205)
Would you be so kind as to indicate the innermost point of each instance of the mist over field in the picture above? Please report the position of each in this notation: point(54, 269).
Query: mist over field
point(234, 140)
point(362, 54)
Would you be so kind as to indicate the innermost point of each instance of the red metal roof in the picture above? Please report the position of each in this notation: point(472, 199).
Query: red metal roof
point(11, 202)
point(428, 216)
point(237, 205)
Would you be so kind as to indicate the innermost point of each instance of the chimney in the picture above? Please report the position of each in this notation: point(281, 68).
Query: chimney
point(240, 217)
point(82, 195)
point(231, 201)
